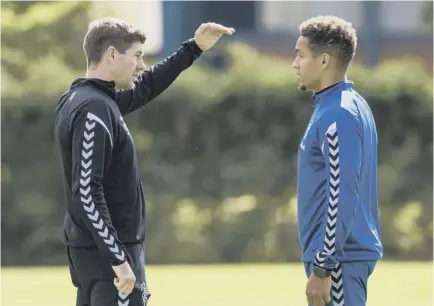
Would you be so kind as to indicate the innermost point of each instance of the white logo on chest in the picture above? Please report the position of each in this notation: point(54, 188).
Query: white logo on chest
point(302, 144)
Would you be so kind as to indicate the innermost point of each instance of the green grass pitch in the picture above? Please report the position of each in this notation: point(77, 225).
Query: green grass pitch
point(392, 283)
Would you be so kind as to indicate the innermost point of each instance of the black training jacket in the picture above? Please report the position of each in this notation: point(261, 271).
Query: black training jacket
point(105, 206)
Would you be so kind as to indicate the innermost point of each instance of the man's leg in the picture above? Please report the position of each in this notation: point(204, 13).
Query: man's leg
point(81, 297)
point(88, 266)
point(349, 282)
point(96, 278)
point(104, 293)
point(137, 255)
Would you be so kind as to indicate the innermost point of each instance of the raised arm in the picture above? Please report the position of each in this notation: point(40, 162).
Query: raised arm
point(161, 75)
point(92, 144)
point(158, 78)
point(341, 142)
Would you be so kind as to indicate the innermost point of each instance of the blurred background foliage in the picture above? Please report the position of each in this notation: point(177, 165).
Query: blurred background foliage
point(41, 46)
point(217, 150)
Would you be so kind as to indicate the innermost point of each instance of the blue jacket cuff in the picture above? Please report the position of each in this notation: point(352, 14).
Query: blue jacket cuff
point(325, 261)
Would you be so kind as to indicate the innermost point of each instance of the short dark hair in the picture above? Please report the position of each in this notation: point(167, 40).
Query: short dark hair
point(332, 35)
point(107, 32)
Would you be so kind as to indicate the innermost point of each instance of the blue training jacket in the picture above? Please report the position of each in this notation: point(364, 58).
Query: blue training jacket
point(337, 180)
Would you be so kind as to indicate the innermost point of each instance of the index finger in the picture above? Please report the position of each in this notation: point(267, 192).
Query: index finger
point(223, 29)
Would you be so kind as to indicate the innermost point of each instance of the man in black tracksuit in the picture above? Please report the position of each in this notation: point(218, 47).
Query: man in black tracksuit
point(104, 226)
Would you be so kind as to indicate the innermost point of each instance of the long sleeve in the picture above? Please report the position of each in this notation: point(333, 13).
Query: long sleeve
point(158, 78)
point(92, 144)
point(341, 144)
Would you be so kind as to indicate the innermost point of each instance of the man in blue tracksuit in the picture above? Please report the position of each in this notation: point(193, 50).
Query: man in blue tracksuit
point(338, 220)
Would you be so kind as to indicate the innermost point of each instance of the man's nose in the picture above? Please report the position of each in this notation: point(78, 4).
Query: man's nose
point(141, 66)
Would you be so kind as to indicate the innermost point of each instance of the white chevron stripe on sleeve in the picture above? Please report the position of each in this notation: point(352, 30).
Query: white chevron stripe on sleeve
point(332, 212)
point(85, 195)
point(123, 299)
point(337, 293)
point(90, 125)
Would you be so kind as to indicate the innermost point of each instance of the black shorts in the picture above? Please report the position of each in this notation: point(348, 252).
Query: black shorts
point(93, 277)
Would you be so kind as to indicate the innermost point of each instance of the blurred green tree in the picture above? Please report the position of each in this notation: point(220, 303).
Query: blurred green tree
point(41, 46)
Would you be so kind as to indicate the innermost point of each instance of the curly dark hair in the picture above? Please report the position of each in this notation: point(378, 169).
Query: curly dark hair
point(332, 35)
point(108, 32)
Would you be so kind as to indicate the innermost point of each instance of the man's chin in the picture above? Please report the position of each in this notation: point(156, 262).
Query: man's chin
point(133, 83)
point(302, 87)
point(127, 86)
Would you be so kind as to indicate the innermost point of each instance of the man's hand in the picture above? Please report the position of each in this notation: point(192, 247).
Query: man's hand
point(209, 33)
point(318, 290)
point(125, 278)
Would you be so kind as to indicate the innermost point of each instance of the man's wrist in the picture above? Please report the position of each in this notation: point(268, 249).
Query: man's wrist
point(198, 50)
point(321, 272)
point(325, 261)
point(118, 263)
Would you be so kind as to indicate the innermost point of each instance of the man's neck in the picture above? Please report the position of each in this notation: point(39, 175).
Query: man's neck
point(330, 81)
point(97, 73)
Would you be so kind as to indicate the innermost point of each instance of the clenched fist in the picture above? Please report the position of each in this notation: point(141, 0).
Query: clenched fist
point(125, 279)
point(209, 33)
point(318, 290)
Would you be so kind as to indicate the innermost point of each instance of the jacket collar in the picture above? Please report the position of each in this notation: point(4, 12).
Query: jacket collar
point(320, 95)
point(106, 87)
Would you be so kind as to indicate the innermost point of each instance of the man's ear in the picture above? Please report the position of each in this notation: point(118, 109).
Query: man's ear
point(111, 53)
point(325, 60)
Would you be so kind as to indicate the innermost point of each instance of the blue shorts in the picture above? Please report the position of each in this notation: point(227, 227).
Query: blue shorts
point(349, 282)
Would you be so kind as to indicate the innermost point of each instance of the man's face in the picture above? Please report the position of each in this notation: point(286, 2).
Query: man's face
point(307, 65)
point(128, 66)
